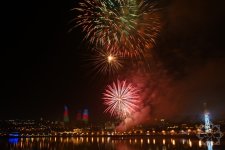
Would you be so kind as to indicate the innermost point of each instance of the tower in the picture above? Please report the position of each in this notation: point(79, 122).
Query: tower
point(209, 133)
point(207, 119)
point(85, 116)
point(78, 115)
point(66, 114)
point(78, 118)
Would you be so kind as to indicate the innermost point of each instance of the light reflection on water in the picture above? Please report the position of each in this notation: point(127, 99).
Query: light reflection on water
point(122, 143)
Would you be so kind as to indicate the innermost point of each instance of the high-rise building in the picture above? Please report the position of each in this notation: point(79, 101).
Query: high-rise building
point(66, 114)
point(85, 116)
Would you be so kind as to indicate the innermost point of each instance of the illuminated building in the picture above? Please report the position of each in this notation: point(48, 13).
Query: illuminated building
point(85, 116)
point(66, 114)
point(209, 133)
point(207, 121)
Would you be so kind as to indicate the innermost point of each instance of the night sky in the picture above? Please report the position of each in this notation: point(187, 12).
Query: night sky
point(43, 65)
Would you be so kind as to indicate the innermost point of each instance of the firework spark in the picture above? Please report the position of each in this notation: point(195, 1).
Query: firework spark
point(122, 99)
point(106, 62)
point(125, 26)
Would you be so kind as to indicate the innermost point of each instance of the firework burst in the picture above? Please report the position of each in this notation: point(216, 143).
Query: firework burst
point(122, 99)
point(106, 62)
point(125, 26)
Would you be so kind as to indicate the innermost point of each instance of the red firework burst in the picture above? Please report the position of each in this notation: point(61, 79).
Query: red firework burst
point(122, 99)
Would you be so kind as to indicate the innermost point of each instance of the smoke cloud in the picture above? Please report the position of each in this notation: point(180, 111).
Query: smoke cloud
point(165, 96)
point(189, 68)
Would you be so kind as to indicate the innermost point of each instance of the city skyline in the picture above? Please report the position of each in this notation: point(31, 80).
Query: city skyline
point(45, 67)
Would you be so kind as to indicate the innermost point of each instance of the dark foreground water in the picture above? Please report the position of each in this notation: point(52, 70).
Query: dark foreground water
point(102, 143)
